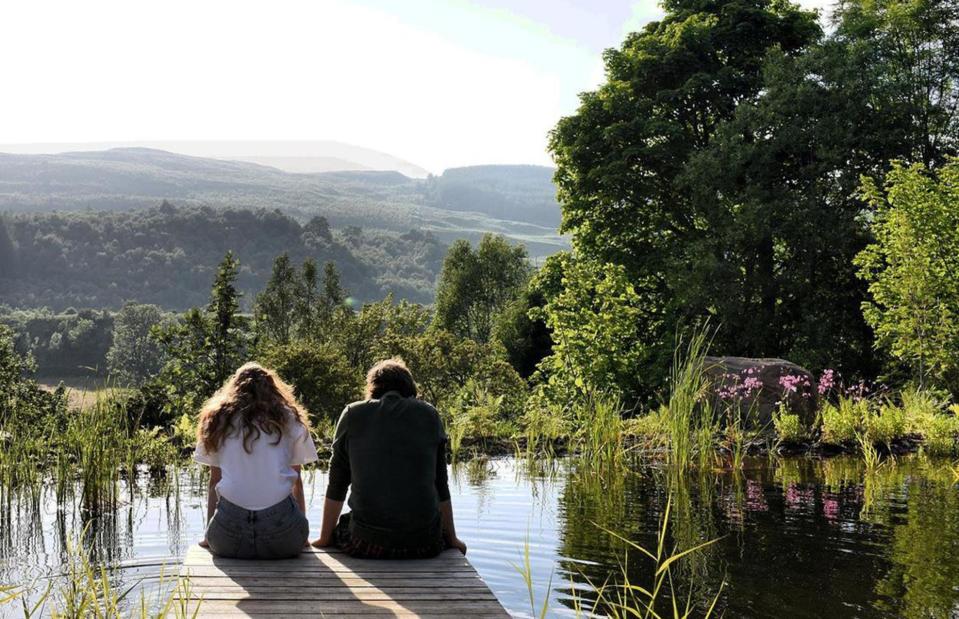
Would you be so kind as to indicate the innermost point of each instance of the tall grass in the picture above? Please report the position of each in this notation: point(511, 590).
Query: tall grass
point(87, 589)
point(629, 599)
point(599, 434)
point(687, 415)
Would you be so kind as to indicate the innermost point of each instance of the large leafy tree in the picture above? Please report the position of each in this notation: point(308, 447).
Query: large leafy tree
point(625, 159)
point(913, 271)
point(719, 164)
point(475, 286)
point(910, 49)
point(134, 355)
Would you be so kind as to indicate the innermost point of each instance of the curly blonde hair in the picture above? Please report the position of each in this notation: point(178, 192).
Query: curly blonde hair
point(257, 399)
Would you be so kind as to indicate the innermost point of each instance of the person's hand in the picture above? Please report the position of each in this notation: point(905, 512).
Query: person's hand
point(458, 544)
point(322, 542)
point(204, 543)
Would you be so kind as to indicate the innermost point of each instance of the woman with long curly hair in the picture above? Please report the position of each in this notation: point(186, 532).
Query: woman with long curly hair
point(390, 451)
point(255, 436)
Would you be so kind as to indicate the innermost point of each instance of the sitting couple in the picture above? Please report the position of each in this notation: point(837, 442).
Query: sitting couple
point(390, 449)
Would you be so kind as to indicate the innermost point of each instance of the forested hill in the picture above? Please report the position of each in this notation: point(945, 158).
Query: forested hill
point(168, 255)
point(518, 201)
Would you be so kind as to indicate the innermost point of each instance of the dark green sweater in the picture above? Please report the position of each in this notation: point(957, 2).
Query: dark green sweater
point(392, 452)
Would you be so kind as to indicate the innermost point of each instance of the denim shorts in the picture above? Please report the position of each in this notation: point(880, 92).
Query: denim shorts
point(277, 532)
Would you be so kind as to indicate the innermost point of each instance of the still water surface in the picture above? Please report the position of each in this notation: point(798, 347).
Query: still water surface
point(796, 538)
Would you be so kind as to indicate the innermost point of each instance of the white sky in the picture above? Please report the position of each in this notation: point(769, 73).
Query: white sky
point(440, 84)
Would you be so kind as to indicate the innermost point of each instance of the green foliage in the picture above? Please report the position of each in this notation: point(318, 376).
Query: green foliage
point(884, 423)
point(226, 337)
point(598, 323)
point(718, 163)
point(626, 165)
point(134, 355)
point(789, 427)
point(167, 256)
point(444, 363)
point(842, 421)
point(203, 348)
point(276, 309)
point(912, 271)
point(476, 414)
point(476, 286)
point(70, 344)
point(321, 375)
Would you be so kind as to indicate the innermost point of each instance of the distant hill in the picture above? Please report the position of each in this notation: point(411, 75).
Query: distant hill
point(517, 201)
point(301, 156)
point(500, 191)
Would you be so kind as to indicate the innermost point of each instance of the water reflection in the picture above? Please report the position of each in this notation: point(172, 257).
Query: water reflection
point(797, 538)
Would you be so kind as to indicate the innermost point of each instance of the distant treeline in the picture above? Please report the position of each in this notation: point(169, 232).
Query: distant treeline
point(167, 256)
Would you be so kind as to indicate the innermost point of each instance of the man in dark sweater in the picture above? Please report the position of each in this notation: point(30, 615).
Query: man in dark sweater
point(391, 449)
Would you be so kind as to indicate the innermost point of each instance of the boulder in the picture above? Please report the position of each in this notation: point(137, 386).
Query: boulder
point(758, 386)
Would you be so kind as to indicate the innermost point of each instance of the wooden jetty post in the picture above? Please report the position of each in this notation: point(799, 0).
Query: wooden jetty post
point(329, 583)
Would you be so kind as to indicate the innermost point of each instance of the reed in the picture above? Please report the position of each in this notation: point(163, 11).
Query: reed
point(600, 430)
point(629, 599)
point(685, 410)
point(89, 589)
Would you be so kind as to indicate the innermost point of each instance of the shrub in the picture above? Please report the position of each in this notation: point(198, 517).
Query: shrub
point(788, 426)
point(841, 421)
point(940, 435)
point(885, 424)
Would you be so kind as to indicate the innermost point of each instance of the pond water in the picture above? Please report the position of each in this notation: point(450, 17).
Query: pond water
point(796, 537)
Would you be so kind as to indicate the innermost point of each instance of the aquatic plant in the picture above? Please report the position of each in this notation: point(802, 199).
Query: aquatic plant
point(599, 437)
point(688, 387)
point(89, 589)
point(628, 599)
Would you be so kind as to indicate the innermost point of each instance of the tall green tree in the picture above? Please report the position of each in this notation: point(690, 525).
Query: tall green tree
point(625, 158)
point(913, 271)
point(134, 355)
point(307, 302)
point(475, 286)
point(276, 309)
point(910, 49)
point(227, 336)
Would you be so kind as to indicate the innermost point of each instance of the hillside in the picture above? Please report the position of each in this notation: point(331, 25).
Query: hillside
point(168, 256)
point(302, 156)
point(516, 201)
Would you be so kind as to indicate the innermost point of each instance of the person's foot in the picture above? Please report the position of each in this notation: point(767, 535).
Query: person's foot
point(204, 543)
point(320, 543)
point(459, 545)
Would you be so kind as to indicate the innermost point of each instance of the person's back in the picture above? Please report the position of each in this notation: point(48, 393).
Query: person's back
point(391, 448)
point(394, 445)
point(254, 436)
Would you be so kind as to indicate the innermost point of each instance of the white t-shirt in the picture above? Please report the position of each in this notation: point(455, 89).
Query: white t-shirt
point(264, 476)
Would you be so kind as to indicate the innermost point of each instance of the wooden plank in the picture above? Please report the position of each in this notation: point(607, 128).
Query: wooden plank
point(346, 595)
point(339, 608)
point(333, 584)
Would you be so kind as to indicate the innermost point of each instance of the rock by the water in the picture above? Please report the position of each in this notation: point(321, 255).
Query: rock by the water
point(759, 385)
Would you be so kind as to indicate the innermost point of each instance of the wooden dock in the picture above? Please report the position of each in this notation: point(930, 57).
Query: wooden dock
point(328, 583)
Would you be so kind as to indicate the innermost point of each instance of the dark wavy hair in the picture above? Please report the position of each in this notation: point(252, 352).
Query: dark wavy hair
point(257, 400)
point(390, 375)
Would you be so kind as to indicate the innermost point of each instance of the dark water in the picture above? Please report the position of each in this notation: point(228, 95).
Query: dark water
point(796, 538)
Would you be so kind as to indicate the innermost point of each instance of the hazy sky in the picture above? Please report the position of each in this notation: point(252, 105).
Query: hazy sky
point(440, 84)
